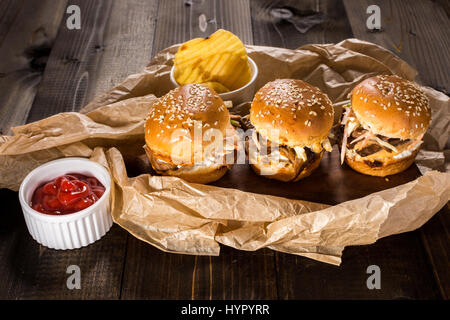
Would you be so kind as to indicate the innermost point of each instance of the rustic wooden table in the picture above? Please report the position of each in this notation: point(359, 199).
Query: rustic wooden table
point(45, 68)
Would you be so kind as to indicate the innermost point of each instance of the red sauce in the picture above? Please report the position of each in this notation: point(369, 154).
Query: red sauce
point(67, 194)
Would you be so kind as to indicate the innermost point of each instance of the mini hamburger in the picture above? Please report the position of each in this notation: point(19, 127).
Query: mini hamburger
point(384, 125)
point(291, 121)
point(188, 134)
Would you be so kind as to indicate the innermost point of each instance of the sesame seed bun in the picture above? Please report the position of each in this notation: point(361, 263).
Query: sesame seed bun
point(391, 106)
point(388, 166)
point(289, 173)
point(302, 114)
point(198, 174)
point(176, 113)
point(169, 133)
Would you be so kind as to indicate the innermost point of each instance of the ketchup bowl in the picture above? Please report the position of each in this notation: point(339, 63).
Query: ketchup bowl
point(82, 217)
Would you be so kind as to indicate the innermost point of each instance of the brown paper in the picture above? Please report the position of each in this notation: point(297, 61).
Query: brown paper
point(181, 217)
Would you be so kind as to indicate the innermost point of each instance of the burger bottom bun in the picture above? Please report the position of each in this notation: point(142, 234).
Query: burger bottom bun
point(289, 173)
point(389, 167)
point(310, 168)
point(197, 174)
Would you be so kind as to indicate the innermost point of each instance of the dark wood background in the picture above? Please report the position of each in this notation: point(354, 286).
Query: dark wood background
point(46, 68)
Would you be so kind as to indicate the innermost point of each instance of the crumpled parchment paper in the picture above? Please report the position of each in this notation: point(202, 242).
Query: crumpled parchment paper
point(182, 217)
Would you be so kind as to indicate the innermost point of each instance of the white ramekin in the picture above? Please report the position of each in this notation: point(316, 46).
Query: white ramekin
point(70, 231)
point(238, 96)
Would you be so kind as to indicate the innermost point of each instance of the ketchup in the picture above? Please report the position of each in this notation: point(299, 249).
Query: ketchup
point(67, 194)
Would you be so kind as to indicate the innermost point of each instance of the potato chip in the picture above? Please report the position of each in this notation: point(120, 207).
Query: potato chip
point(217, 86)
point(219, 61)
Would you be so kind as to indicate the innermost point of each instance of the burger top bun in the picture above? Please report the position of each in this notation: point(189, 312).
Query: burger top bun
point(392, 107)
point(302, 114)
point(169, 128)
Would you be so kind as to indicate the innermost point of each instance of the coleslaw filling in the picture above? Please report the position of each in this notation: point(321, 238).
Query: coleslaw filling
point(361, 143)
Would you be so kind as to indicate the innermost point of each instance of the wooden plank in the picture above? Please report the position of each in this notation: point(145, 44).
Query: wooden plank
point(34, 271)
point(9, 10)
point(115, 39)
point(402, 258)
point(300, 278)
point(435, 235)
point(178, 21)
point(87, 62)
point(291, 24)
point(153, 274)
point(150, 273)
point(27, 32)
point(31, 271)
point(417, 31)
point(234, 16)
point(404, 269)
point(330, 173)
point(171, 26)
point(10, 228)
point(74, 58)
point(127, 44)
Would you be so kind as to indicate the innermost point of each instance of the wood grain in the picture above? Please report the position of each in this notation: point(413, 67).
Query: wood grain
point(405, 270)
point(401, 258)
point(74, 58)
point(405, 273)
point(234, 16)
point(36, 272)
point(435, 235)
point(150, 273)
point(27, 32)
point(178, 20)
point(328, 23)
point(417, 31)
point(31, 271)
point(337, 183)
point(9, 10)
point(153, 274)
point(291, 24)
point(112, 42)
point(118, 38)
point(10, 229)
point(127, 44)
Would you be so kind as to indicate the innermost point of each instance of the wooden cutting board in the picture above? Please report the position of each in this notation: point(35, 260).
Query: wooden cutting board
point(330, 183)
